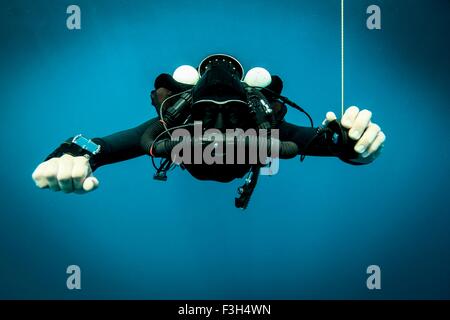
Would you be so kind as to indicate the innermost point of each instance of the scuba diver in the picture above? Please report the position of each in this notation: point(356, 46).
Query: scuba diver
point(218, 97)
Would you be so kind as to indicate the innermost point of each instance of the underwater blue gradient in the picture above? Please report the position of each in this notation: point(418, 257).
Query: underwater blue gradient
point(309, 233)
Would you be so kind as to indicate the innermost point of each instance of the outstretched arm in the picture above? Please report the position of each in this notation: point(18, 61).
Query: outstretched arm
point(120, 146)
point(305, 138)
point(67, 169)
point(366, 136)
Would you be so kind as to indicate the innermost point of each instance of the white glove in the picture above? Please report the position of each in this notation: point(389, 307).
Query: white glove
point(369, 135)
point(67, 174)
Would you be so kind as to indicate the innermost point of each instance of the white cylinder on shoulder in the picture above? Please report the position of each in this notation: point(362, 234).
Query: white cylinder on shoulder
point(258, 77)
point(186, 74)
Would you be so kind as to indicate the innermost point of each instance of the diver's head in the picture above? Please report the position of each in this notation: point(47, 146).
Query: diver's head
point(219, 96)
point(219, 99)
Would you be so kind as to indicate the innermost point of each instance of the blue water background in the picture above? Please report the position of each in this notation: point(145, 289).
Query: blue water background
point(309, 232)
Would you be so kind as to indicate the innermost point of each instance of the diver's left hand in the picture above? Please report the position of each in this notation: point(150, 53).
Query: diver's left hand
point(368, 135)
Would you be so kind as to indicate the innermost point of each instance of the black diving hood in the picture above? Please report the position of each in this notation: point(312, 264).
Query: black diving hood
point(220, 81)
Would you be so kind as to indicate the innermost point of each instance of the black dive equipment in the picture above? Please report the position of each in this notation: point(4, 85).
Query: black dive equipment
point(221, 100)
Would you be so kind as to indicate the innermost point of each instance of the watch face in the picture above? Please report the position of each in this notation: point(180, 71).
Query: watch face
point(86, 144)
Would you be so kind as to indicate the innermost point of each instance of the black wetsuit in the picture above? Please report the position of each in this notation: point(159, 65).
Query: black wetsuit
point(126, 145)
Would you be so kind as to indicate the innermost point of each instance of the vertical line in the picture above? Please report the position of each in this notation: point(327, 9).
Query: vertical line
point(342, 57)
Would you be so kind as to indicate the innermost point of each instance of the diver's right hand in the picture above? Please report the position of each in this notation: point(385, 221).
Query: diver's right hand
point(66, 173)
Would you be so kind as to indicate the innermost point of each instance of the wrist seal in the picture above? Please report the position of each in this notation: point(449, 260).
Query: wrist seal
point(77, 146)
